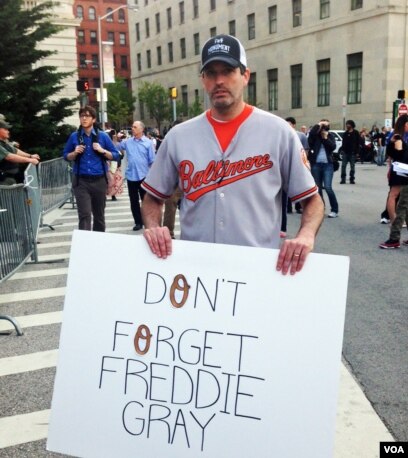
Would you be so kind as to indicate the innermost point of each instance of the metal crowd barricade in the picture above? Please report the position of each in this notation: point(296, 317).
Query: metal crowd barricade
point(55, 185)
point(22, 207)
point(17, 241)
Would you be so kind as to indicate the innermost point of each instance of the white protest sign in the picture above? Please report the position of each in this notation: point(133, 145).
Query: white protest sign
point(209, 353)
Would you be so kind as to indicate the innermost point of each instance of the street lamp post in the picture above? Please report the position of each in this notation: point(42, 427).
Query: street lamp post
point(101, 75)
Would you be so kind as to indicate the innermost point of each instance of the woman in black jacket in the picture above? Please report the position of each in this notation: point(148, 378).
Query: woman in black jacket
point(322, 144)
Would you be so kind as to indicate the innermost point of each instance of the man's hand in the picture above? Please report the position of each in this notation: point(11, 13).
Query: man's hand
point(159, 240)
point(36, 156)
point(293, 253)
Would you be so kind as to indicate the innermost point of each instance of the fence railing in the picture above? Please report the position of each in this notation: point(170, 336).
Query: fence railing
point(22, 207)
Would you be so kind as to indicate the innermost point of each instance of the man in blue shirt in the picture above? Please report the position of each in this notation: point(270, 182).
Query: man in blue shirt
point(89, 149)
point(140, 156)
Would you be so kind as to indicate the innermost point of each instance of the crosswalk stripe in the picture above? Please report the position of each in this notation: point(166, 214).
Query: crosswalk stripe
point(29, 362)
point(20, 429)
point(31, 295)
point(38, 273)
point(29, 321)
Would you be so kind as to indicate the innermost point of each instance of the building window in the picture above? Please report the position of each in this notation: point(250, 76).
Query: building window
point(137, 29)
point(184, 99)
point(159, 55)
point(251, 26)
point(273, 20)
point(355, 72)
point(323, 83)
point(111, 37)
point(181, 11)
point(324, 9)
point(93, 37)
point(139, 62)
point(79, 12)
point(297, 12)
point(195, 9)
point(296, 85)
point(157, 23)
point(121, 16)
point(196, 38)
point(356, 4)
point(95, 61)
point(252, 89)
point(169, 21)
point(147, 27)
point(170, 50)
point(232, 28)
point(183, 48)
point(82, 60)
point(81, 37)
point(149, 58)
point(122, 39)
point(213, 31)
point(273, 89)
point(213, 5)
point(123, 62)
point(110, 17)
point(92, 13)
point(96, 83)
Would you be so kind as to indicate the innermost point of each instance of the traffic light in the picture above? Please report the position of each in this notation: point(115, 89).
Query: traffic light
point(173, 92)
point(82, 85)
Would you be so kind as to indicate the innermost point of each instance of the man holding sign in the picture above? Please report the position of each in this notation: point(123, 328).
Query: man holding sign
point(232, 163)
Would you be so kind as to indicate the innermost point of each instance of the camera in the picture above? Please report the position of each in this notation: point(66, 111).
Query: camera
point(325, 128)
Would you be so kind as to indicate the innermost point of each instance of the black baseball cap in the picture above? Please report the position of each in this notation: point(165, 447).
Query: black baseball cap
point(224, 48)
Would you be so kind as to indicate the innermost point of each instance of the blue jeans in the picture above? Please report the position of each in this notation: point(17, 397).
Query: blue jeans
point(323, 175)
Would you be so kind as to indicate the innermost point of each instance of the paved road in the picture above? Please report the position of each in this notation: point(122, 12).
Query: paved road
point(376, 330)
point(375, 343)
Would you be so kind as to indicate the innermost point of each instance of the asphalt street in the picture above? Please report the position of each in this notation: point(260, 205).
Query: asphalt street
point(375, 338)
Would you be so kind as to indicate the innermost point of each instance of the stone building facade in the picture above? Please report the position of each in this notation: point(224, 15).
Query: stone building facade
point(309, 58)
point(64, 43)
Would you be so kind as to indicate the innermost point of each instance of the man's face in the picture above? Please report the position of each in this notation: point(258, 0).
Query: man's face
point(4, 134)
point(137, 129)
point(86, 120)
point(224, 84)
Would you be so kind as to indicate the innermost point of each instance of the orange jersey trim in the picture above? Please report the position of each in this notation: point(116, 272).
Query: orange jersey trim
point(225, 131)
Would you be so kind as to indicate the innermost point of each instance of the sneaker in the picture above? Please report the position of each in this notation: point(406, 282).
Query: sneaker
point(405, 242)
point(333, 215)
point(343, 182)
point(384, 221)
point(390, 244)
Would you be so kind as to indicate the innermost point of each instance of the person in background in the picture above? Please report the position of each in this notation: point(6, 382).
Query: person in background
point(89, 149)
point(230, 176)
point(397, 150)
point(322, 144)
point(115, 178)
point(140, 155)
point(12, 157)
point(350, 149)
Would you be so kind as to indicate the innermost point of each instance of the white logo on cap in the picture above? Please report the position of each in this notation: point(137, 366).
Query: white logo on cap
point(218, 46)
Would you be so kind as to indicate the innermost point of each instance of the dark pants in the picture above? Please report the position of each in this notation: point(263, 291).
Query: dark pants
point(90, 196)
point(346, 158)
point(136, 194)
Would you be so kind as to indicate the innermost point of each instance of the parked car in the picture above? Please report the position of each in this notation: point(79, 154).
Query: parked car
point(338, 136)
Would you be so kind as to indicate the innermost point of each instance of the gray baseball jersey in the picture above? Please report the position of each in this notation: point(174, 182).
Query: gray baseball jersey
point(232, 197)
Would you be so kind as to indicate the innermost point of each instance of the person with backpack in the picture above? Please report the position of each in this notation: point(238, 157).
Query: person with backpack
point(89, 149)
